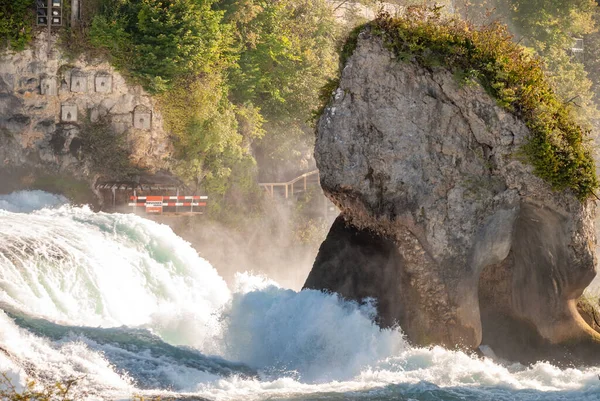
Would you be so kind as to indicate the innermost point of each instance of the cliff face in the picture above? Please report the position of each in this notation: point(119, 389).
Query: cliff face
point(47, 103)
point(441, 220)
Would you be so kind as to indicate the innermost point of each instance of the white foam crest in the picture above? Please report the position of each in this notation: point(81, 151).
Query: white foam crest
point(245, 282)
point(309, 334)
point(28, 356)
point(82, 268)
point(314, 343)
point(28, 201)
point(420, 370)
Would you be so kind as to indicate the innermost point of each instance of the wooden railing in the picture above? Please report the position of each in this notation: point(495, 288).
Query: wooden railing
point(312, 177)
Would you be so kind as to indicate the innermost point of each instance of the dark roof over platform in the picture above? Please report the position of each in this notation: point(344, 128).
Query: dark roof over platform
point(160, 180)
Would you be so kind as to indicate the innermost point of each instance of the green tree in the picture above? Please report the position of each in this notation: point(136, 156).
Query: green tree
point(591, 57)
point(16, 21)
point(287, 51)
point(547, 24)
point(158, 41)
point(212, 141)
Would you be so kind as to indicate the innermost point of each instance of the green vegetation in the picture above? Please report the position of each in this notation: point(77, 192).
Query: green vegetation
point(350, 44)
point(557, 146)
point(548, 29)
point(59, 391)
point(16, 23)
point(287, 52)
point(233, 78)
point(157, 42)
point(331, 85)
point(77, 191)
point(307, 230)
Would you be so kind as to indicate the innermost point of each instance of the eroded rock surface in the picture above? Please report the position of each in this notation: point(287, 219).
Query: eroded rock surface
point(415, 159)
point(46, 103)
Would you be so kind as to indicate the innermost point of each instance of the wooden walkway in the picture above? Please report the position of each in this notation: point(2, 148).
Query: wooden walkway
point(293, 190)
point(297, 185)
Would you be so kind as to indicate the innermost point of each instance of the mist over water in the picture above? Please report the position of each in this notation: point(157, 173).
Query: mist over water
point(28, 201)
point(130, 308)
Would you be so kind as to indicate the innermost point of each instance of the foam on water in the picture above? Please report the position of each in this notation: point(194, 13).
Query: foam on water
point(74, 267)
point(83, 268)
point(309, 335)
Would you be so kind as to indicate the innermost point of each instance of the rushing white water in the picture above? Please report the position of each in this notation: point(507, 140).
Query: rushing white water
point(130, 308)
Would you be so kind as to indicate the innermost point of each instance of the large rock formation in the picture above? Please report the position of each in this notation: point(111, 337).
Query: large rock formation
point(442, 221)
point(46, 103)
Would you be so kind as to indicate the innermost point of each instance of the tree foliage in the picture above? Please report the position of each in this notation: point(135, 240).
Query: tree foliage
point(591, 56)
point(211, 139)
point(287, 52)
point(16, 21)
point(157, 41)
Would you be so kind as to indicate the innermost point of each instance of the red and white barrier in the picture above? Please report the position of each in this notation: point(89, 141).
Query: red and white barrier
point(168, 197)
point(156, 204)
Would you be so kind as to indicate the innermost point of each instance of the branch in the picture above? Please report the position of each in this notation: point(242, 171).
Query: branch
point(341, 4)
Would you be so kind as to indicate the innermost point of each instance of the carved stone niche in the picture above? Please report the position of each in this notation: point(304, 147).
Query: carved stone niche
point(68, 112)
point(78, 82)
point(142, 118)
point(49, 86)
point(103, 82)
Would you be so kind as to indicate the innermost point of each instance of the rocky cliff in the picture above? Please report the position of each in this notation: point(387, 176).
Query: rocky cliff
point(47, 104)
point(442, 221)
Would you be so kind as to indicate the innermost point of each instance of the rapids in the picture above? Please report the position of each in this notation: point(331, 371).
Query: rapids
point(129, 308)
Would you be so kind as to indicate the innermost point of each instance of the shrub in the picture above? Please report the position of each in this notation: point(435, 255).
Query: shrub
point(557, 146)
point(158, 41)
point(16, 21)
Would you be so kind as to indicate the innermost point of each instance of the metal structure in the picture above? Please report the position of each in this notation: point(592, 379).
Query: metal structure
point(577, 45)
point(50, 13)
point(577, 49)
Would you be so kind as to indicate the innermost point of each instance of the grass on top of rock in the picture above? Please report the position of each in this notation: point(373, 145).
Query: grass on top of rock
point(557, 147)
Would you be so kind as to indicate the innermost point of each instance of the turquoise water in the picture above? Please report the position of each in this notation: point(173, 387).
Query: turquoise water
point(129, 308)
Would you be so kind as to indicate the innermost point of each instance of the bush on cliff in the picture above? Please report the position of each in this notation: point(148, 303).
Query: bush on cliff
point(548, 27)
point(16, 21)
point(159, 41)
point(557, 147)
point(106, 151)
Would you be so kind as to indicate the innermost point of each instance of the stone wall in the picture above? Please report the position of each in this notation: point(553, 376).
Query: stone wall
point(46, 102)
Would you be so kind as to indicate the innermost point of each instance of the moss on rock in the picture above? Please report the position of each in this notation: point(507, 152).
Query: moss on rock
point(558, 147)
